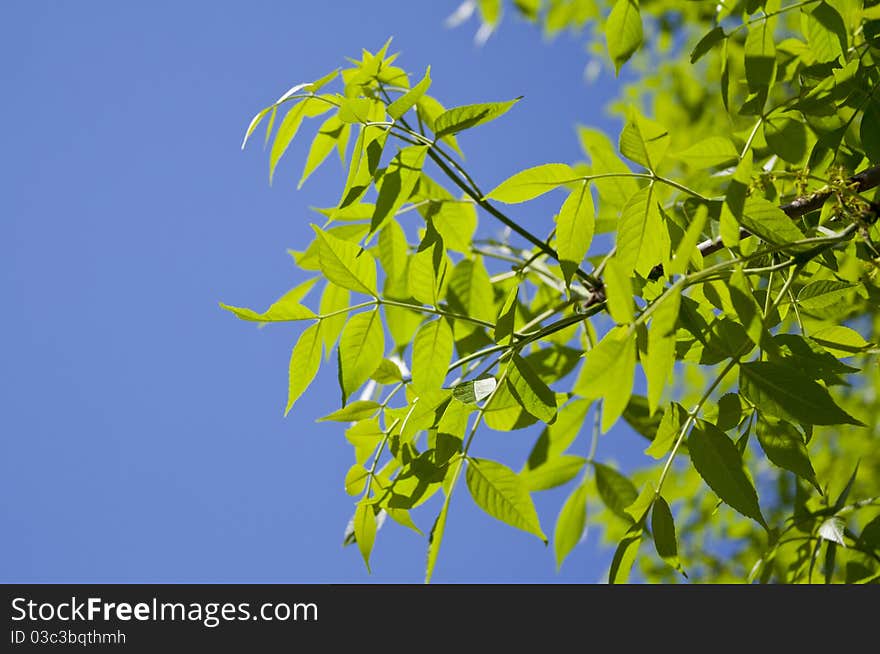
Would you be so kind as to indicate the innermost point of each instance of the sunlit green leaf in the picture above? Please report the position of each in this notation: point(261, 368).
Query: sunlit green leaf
point(361, 347)
point(345, 263)
point(432, 352)
point(623, 31)
point(406, 101)
point(499, 492)
point(365, 530)
point(570, 524)
point(661, 345)
point(353, 411)
point(532, 393)
point(552, 473)
point(575, 225)
point(457, 119)
point(305, 359)
point(608, 373)
point(532, 182)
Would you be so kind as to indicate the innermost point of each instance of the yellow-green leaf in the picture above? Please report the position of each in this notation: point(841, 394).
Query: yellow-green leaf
point(344, 263)
point(501, 493)
point(623, 31)
point(431, 354)
point(575, 226)
point(305, 359)
point(360, 350)
point(532, 182)
point(570, 524)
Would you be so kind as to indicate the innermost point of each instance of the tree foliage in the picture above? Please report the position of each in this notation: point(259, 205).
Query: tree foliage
point(723, 248)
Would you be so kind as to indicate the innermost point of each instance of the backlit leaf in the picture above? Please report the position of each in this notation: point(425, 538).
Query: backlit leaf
point(532, 182)
point(719, 463)
point(499, 492)
point(305, 359)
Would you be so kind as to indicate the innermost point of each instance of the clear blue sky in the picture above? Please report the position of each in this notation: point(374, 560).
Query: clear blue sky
point(142, 431)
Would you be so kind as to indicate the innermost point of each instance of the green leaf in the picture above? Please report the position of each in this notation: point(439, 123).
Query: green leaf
point(428, 274)
point(426, 411)
point(608, 373)
point(364, 435)
point(642, 239)
point(663, 528)
point(505, 325)
point(333, 133)
point(333, 299)
point(284, 309)
point(575, 226)
point(709, 153)
point(786, 134)
point(345, 264)
point(457, 119)
point(531, 392)
point(768, 221)
point(660, 357)
point(667, 431)
point(356, 110)
point(638, 509)
point(618, 290)
point(387, 372)
point(625, 556)
point(823, 294)
point(470, 291)
point(746, 306)
point(735, 200)
point(784, 392)
point(687, 247)
point(840, 340)
point(614, 190)
point(393, 253)
point(616, 491)
point(475, 390)
point(406, 101)
point(705, 44)
point(360, 350)
point(760, 56)
point(825, 32)
point(436, 536)
point(869, 130)
point(532, 182)
point(552, 473)
point(644, 141)
point(719, 463)
point(397, 183)
point(352, 412)
point(623, 31)
point(365, 159)
point(365, 530)
point(290, 126)
point(431, 354)
point(570, 524)
point(305, 359)
point(784, 446)
point(499, 492)
point(356, 479)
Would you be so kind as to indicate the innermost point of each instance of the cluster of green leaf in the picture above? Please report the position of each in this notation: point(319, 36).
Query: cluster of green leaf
point(741, 284)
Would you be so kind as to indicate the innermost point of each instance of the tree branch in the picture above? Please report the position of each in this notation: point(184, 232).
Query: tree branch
point(867, 179)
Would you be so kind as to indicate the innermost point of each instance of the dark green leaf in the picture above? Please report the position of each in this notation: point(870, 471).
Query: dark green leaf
point(616, 491)
point(784, 392)
point(718, 462)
